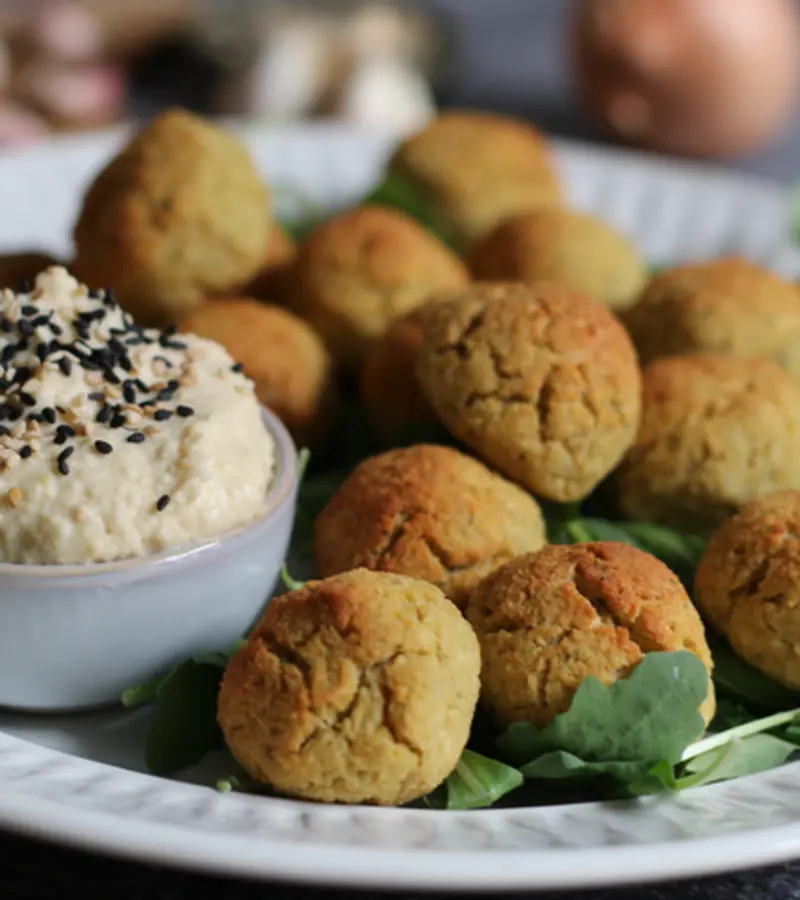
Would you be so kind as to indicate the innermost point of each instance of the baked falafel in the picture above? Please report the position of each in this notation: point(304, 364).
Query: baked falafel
point(727, 306)
point(273, 279)
point(180, 214)
point(748, 584)
point(716, 431)
point(359, 271)
point(357, 689)
point(429, 512)
point(560, 244)
point(549, 620)
point(540, 380)
point(283, 355)
point(478, 169)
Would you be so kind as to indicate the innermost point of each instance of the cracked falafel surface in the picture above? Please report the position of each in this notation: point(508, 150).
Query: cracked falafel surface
point(716, 431)
point(429, 512)
point(729, 306)
point(748, 584)
point(360, 688)
point(179, 214)
point(540, 380)
point(359, 271)
point(548, 620)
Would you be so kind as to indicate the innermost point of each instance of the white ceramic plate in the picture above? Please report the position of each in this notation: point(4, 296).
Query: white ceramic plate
point(79, 780)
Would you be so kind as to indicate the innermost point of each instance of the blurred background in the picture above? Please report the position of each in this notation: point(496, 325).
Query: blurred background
point(716, 79)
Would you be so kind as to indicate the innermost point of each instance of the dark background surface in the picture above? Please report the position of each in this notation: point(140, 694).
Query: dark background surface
point(508, 55)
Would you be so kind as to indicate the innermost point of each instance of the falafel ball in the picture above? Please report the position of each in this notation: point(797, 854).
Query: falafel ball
point(286, 359)
point(725, 306)
point(16, 268)
point(549, 620)
point(748, 584)
point(540, 380)
point(357, 689)
point(559, 244)
point(429, 512)
point(478, 169)
point(273, 280)
point(390, 391)
point(361, 270)
point(181, 213)
point(716, 431)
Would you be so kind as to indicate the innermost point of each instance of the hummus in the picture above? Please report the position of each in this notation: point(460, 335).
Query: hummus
point(117, 441)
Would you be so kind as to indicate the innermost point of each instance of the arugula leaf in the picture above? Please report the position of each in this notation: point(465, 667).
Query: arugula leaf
point(558, 764)
point(734, 677)
point(184, 726)
point(735, 759)
point(651, 715)
point(400, 192)
point(679, 552)
point(142, 693)
point(729, 714)
point(476, 782)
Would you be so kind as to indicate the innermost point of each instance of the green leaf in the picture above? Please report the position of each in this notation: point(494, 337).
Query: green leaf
point(184, 726)
point(142, 693)
point(399, 192)
point(734, 677)
point(558, 764)
point(292, 584)
point(737, 758)
point(651, 715)
point(729, 714)
point(680, 552)
point(479, 782)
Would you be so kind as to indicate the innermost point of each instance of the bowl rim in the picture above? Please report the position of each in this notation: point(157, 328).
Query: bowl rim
point(281, 489)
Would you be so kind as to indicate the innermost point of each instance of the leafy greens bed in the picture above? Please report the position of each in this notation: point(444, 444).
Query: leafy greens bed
point(641, 735)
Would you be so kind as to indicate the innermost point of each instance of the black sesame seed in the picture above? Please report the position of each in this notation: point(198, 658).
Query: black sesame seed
point(165, 395)
point(173, 384)
point(65, 364)
point(116, 345)
point(171, 329)
point(89, 364)
point(26, 451)
point(14, 414)
point(136, 438)
point(97, 396)
point(62, 460)
point(22, 375)
point(24, 287)
point(43, 319)
point(56, 328)
point(8, 353)
point(63, 433)
point(103, 447)
point(161, 415)
point(118, 420)
point(129, 392)
point(27, 399)
point(164, 360)
point(125, 362)
point(25, 327)
point(4, 429)
point(95, 294)
point(162, 502)
point(237, 367)
point(29, 310)
point(104, 414)
point(42, 351)
point(6, 326)
point(49, 415)
point(141, 385)
point(110, 298)
point(184, 411)
point(111, 377)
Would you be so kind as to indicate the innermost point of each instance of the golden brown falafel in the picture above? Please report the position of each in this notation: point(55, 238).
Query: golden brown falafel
point(273, 280)
point(748, 584)
point(357, 689)
point(548, 620)
point(24, 266)
point(358, 272)
point(390, 391)
point(559, 244)
point(716, 431)
point(181, 213)
point(540, 380)
point(429, 512)
point(287, 360)
point(478, 169)
point(726, 306)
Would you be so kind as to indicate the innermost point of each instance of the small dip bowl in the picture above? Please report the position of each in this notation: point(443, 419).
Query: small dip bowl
point(74, 637)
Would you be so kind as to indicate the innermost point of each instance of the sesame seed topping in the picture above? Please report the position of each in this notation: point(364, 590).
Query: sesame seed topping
point(49, 415)
point(26, 451)
point(118, 420)
point(65, 454)
point(136, 438)
point(161, 415)
point(103, 415)
point(25, 327)
point(63, 433)
point(184, 411)
point(103, 447)
point(27, 399)
point(237, 367)
point(14, 496)
point(65, 364)
point(162, 502)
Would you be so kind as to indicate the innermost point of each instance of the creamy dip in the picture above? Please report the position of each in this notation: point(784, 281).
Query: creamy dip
point(117, 441)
